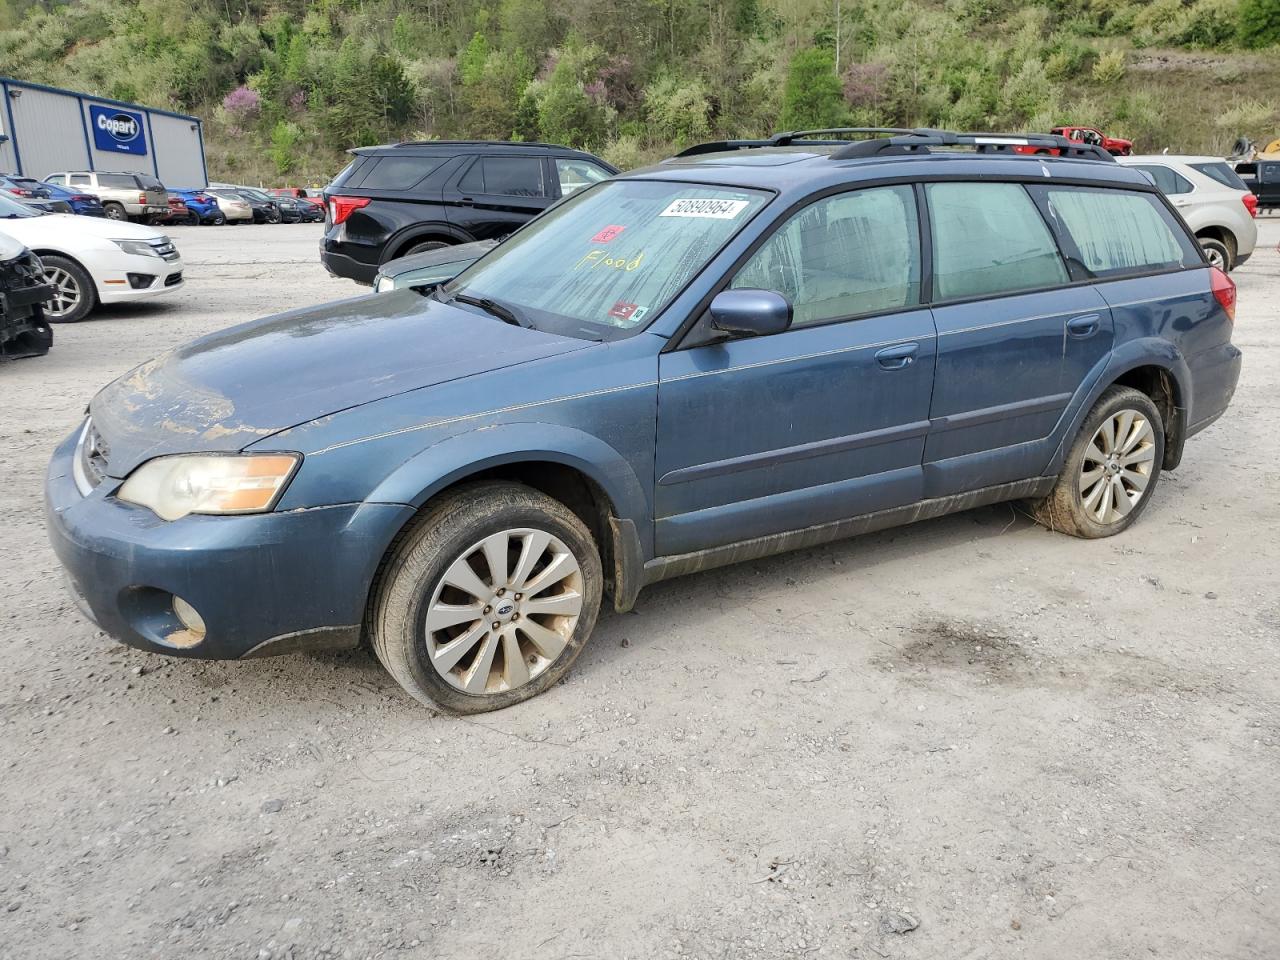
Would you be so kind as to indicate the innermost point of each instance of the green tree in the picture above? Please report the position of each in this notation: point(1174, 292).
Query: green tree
point(812, 97)
point(1259, 23)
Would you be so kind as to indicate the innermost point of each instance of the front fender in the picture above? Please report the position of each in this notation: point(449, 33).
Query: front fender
point(462, 455)
point(1144, 352)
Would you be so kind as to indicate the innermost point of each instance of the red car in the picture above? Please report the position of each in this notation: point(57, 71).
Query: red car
point(297, 193)
point(1113, 145)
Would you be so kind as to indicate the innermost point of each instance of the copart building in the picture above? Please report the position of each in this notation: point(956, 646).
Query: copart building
point(46, 130)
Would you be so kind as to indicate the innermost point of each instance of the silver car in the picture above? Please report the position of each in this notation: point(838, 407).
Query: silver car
point(1217, 205)
point(124, 196)
point(233, 206)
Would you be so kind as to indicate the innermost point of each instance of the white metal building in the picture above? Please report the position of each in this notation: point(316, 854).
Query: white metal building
point(47, 130)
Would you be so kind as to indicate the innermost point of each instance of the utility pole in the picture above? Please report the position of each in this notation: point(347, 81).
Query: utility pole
point(837, 38)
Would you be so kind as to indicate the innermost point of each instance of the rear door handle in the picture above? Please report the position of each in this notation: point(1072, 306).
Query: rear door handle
point(898, 357)
point(1085, 326)
point(467, 202)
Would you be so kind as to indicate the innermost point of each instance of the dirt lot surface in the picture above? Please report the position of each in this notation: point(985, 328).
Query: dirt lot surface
point(1021, 744)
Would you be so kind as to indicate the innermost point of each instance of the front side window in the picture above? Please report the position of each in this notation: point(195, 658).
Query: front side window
point(988, 238)
point(843, 256)
point(1119, 232)
point(55, 178)
point(575, 174)
point(609, 258)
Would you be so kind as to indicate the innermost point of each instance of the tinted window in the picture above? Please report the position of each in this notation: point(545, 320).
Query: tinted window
point(843, 256)
point(118, 181)
point(1221, 172)
point(1117, 232)
point(575, 174)
point(149, 183)
point(505, 176)
point(1270, 171)
point(1169, 182)
point(989, 238)
point(398, 173)
point(348, 172)
point(608, 258)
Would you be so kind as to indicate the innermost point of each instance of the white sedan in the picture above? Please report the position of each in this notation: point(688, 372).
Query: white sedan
point(93, 260)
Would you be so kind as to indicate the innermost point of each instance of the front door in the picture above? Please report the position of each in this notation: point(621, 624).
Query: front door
point(757, 436)
point(497, 194)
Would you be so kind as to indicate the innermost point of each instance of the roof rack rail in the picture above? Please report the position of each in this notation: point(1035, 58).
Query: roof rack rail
point(787, 138)
point(919, 140)
point(469, 143)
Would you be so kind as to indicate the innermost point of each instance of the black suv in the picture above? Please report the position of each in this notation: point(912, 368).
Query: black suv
point(409, 197)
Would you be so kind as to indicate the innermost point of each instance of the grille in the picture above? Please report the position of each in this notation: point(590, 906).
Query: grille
point(173, 279)
point(166, 249)
point(94, 455)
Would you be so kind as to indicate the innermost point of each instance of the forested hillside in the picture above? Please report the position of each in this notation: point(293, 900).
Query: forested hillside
point(286, 86)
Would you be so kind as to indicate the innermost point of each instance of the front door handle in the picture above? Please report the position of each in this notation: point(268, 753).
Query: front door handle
point(1085, 326)
point(467, 202)
point(898, 357)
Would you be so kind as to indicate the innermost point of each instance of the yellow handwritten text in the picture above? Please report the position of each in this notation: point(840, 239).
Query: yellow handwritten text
point(600, 258)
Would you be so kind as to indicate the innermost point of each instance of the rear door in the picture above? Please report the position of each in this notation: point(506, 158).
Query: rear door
point(1015, 338)
point(494, 195)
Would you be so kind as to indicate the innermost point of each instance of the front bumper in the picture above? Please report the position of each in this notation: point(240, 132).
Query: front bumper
point(113, 284)
point(263, 583)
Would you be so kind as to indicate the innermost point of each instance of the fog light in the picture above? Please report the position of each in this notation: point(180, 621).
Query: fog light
point(194, 623)
point(140, 281)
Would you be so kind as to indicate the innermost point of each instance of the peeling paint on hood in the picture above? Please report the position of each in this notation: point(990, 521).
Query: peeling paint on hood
point(233, 388)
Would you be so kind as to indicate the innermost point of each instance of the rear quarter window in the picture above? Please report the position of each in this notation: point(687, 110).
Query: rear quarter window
point(397, 173)
point(1222, 173)
point(1112, 233)
point(118, 181)
point(1170, 182)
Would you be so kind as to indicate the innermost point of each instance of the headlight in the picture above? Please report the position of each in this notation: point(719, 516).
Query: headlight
point(173, 487)
point(383, 284)
point(139, 248)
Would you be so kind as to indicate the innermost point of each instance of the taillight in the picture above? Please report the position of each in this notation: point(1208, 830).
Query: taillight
point(342, 207)
point(82, 198)
point(1250, 201)
point(142, 199)
point(1224, 291)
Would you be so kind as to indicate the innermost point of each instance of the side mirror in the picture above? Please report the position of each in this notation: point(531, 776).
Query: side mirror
point(754, 313)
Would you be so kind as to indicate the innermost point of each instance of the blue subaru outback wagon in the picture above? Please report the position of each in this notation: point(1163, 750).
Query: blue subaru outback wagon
point(753, 347)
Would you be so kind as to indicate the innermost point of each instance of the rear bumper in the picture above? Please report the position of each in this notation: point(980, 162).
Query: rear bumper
point(1214, 375)
point(341, 264)
point(263, 583)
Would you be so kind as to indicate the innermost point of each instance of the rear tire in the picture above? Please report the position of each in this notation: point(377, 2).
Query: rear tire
point(114, 211)
point(1218, 254)
point(1111, 470)
point(218, 220)
point(425, 246)
point(76, 295)
point(465, 637)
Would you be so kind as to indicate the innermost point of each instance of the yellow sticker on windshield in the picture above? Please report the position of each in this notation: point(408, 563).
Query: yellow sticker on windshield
point(705, 209)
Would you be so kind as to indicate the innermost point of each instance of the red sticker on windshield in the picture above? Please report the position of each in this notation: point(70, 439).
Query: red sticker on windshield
point(607, 234)
point(623, 311)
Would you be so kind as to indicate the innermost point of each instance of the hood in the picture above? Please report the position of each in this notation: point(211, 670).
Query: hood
point(462, 253)
point(56, 227)
point(10, 248)
point(233, 388)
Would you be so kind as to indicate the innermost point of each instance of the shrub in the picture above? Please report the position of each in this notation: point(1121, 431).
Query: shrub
point(679, 112)
point(284, 138)
point(812, 97)
point(1259, 23)
point(242, 104)
point(1110, 67)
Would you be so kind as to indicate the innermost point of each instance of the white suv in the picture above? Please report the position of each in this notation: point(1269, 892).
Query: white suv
point(1217, 205)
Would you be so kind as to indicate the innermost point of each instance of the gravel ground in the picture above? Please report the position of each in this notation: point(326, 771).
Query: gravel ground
point(968, 738)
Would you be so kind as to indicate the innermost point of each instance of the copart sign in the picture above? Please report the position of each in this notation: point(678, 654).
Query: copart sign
point(117, 131)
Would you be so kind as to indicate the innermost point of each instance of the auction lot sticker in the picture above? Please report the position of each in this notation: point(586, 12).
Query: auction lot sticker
point(705, 209)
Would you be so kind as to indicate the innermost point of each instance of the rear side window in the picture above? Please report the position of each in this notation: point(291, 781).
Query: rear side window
point(575, 174)
point(1221, 172)
point(989, 238)
point(843, 256)
point(505, 176)
point(118, 181)
point(1169, 181)
point(80, 179)
point(398, 173)
point(1119, 232)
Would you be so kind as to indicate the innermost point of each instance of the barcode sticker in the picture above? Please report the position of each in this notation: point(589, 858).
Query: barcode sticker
point(706, 209)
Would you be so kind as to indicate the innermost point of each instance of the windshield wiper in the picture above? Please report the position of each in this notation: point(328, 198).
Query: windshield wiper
point(499, 310)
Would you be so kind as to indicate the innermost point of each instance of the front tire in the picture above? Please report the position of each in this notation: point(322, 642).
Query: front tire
point(75, 296)
point(1112, 469)
point(487, 599)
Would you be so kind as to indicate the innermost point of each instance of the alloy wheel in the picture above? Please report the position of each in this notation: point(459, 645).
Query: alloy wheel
point(67, 293)
point(504, 611)
point(1117, 466)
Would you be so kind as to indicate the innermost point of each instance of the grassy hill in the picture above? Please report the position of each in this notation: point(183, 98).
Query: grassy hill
point(287, 86)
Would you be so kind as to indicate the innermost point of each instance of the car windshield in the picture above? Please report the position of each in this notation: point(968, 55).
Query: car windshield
point(13, 210)
point(608, 259)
